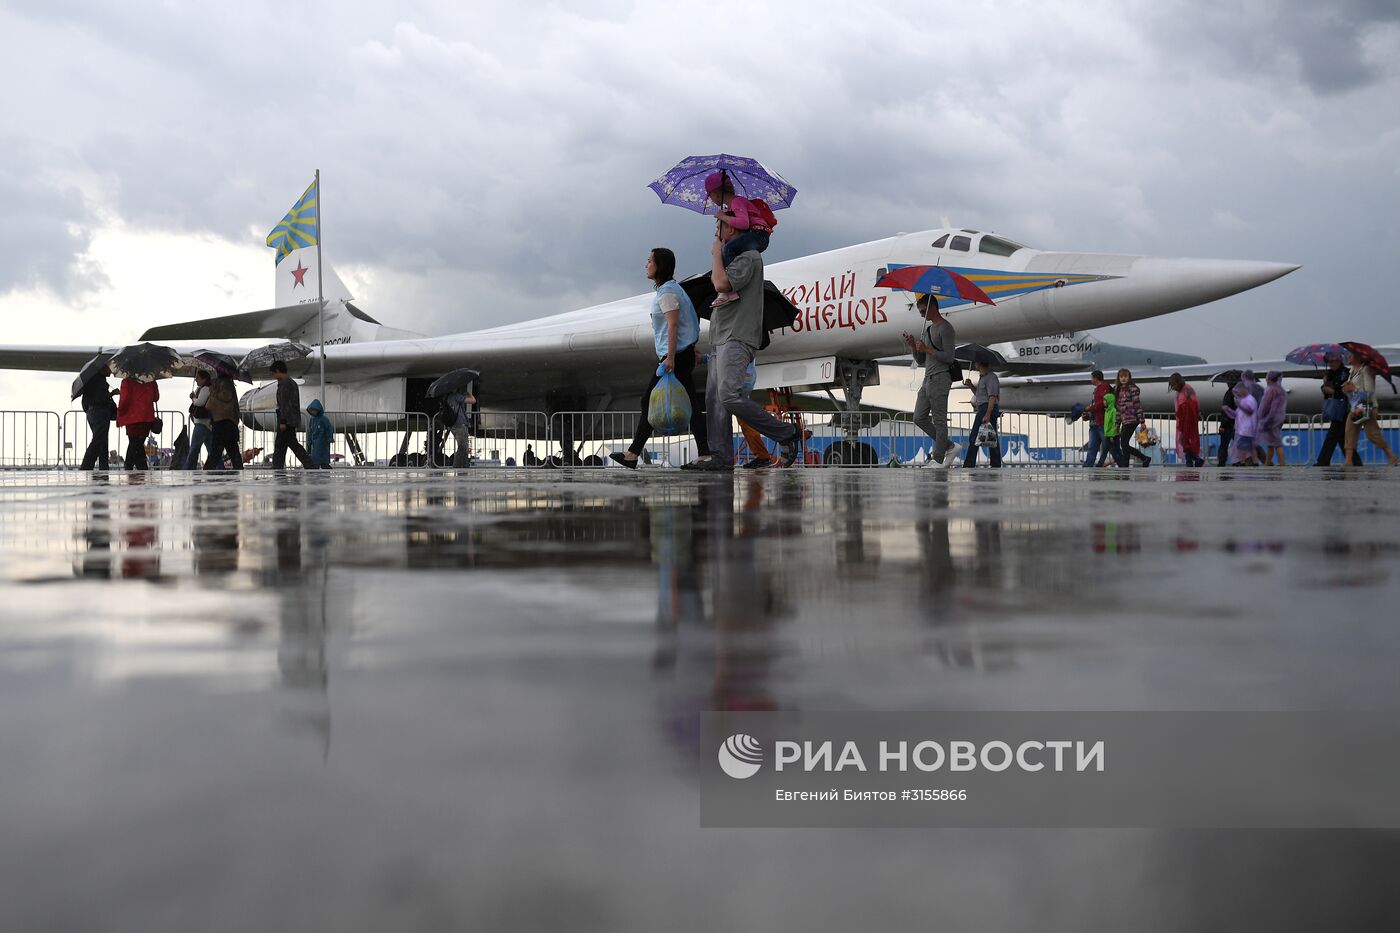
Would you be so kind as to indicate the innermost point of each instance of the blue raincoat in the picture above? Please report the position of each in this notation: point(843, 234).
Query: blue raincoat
point(319, 434)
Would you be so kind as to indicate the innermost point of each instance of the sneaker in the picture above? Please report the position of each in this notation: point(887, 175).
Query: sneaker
point(714, 465)
point(955, 453)
point(787, 452)
point(758, 463)
point(695, 464)
point(622, 459)
point(722, 299)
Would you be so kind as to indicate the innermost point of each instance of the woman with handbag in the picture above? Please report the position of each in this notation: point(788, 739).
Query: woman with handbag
point(1334, 409)
point(136, 412)
point(203, 435)
point(1364, 419)
point(1129, 417)
point(984, 424)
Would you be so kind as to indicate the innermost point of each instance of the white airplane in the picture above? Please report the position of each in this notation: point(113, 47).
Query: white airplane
point(597, 359)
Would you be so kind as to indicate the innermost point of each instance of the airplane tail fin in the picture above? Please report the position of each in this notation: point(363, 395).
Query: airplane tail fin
point(296, 279)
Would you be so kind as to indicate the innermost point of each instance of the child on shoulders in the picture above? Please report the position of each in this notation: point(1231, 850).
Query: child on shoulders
point(751, 219)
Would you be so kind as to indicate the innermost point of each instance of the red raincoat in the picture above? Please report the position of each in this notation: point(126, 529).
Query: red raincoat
point(136, 405)
point(1188, 418)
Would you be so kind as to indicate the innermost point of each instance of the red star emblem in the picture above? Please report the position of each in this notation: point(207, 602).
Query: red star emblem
point(299, 273)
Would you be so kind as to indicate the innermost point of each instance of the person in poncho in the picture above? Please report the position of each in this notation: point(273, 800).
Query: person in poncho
point(319, 434)
point(1188, 420)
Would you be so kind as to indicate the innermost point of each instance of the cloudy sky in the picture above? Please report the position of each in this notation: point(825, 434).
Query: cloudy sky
point(485, 163)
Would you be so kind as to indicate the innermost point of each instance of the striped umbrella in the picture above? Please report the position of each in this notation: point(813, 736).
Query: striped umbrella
point(934, 280)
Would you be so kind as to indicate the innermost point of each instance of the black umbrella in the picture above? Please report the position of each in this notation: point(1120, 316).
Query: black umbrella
point(145, 359)
point(99, 365)
point(453, 381)
point(223, 364)
point(263, 357)
point(1229, 376)
point(778, 312)
point(976, 353)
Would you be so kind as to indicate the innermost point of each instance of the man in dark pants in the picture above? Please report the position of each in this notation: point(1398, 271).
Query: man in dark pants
point(1332, 380)
point(1227, 424)
point(97, 402)
point(736, 331)
point(288, 419)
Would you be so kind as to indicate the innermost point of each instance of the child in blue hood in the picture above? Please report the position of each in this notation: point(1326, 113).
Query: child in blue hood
point(319, 434)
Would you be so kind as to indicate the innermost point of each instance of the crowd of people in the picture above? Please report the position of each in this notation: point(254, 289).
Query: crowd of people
point(1252, 414)
point(214, 415)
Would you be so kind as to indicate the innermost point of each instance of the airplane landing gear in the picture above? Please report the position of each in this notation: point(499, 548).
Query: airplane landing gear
point(854, 376)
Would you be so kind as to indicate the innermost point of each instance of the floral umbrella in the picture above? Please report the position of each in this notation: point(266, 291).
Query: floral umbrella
point(684, 184)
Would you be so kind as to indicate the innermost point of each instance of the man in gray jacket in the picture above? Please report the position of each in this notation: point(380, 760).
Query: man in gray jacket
point(288, 419)
point(736, 331)
point(933, 348)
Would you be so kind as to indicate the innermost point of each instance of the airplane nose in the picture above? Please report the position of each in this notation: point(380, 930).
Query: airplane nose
point(1145, 286)
point(1187, 282)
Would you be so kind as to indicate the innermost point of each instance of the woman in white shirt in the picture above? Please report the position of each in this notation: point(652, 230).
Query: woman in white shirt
point(1365, 381)
point(203, 434)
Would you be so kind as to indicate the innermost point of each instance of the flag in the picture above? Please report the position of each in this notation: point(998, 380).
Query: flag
point(301, 227)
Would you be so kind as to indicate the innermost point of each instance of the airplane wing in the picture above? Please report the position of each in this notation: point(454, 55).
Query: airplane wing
point(48, 359)
point(271, 323)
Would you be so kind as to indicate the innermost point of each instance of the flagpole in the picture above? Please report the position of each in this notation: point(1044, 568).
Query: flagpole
point(320, 290)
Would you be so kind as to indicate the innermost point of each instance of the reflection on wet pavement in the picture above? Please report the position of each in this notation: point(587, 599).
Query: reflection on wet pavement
point(423, 701)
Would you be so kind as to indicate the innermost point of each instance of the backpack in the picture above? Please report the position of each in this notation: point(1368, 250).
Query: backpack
point(764, 212)
point(449, 414)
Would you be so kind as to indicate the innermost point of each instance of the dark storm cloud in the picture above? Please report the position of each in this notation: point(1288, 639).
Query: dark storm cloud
point(1321, 45)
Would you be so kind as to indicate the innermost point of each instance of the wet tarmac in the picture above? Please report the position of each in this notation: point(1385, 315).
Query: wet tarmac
point(427, 701)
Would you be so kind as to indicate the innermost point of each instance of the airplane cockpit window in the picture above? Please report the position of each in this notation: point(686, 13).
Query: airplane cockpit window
point(961, 243)
point(996, 246)
point(939, 243)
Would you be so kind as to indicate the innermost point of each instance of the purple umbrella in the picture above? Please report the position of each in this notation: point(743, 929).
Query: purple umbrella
point(684, 185)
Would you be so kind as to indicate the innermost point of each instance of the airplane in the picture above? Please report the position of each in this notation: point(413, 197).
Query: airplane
point(597, 359)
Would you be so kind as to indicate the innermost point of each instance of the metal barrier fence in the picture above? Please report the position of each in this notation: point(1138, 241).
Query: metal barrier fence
point(30, 439)
point(496, 438)
point(46, 440)
point(362, 439)
point(160, 447)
